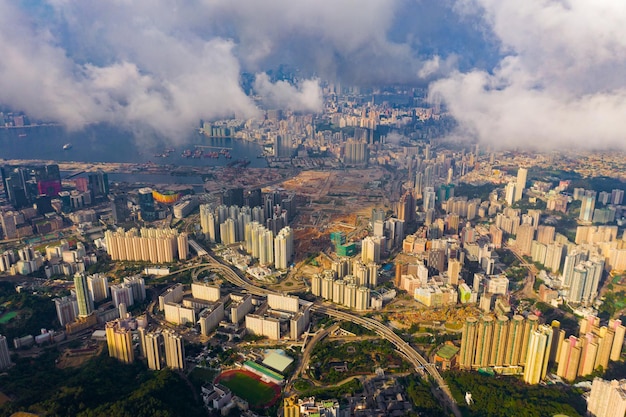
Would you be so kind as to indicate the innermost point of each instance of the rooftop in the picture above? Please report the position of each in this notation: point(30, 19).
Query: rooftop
point(277, 360)
point(447, 351)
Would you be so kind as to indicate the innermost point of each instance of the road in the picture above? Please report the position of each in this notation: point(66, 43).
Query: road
point(417, 360)
point(527, 291)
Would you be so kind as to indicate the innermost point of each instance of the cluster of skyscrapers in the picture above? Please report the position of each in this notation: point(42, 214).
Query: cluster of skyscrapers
point(522, 345)
point(147, 244)
point(77, 311)
point(226, 223)
point(162, 348)
point(351, 291)
point(24, 184)
point(594, 347)
point(266, 238)
point(607, 398)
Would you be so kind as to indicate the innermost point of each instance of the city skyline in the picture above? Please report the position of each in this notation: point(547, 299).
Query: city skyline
point(345, 209)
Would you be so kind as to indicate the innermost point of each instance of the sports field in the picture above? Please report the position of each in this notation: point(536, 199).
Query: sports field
point(246, 385)
point(8, 317)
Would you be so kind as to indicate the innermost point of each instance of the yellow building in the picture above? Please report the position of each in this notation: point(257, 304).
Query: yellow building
point(291, 407)
point(120, 341)
point(539, 345)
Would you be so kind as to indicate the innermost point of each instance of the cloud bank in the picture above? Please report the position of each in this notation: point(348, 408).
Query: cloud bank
point(542, 73)
point(559, 84)
point(162, 66)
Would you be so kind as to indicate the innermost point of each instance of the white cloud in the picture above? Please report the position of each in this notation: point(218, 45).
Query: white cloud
point(307, 96)
point(560, 83)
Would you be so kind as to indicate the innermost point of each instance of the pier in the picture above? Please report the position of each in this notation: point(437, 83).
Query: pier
point(213, 147)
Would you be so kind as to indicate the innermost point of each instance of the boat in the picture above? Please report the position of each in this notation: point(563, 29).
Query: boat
point(186, 153)
point(21, 135)
point(67, 146)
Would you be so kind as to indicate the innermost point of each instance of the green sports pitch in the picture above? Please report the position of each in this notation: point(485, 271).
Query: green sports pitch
point(255, 392)
point(8, 317)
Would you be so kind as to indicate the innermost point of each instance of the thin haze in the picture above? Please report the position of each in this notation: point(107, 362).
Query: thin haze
point(542, 73)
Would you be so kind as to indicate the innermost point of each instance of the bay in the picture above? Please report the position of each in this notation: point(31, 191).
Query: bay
point(106, 143)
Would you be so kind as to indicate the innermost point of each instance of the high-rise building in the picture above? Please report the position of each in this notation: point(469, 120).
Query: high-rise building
point(227, 232)
point(83, 295)
point(588, 204)
point(468, 343)
point(607, 398)
point(584, 282)
point(429, 198)
point(99, 184)
point(146, 204)
point(174, 350)
point(338, 291)
point(9, 222)
point(524, 239)
point(362, 298)
point(67, 309)
point(5, 357)
point(370, 250)
point(545, 234)
point(520, 185)
point(554, 256)
point(153, 350)
point(510, 193)
point(183, 246)
point(207, 223)
point(498, 348)
point(349, 299)
point(454, 271)
point(538, 355)
point(618, 341)
point(571, 261)
point(355, 153)
point(120, 341)
point(122, 294)
point(617, 196)
point(514, 341)
point(119, 206)
point(406, 207)
point(532, 322)
point(283, 248)
point(98, 287)
point(138, 286)
point(283, 147)
point(569, 358)
point(483, 342)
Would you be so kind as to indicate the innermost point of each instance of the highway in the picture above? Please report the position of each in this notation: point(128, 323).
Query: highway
point(527, 290)
point(417, 360)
